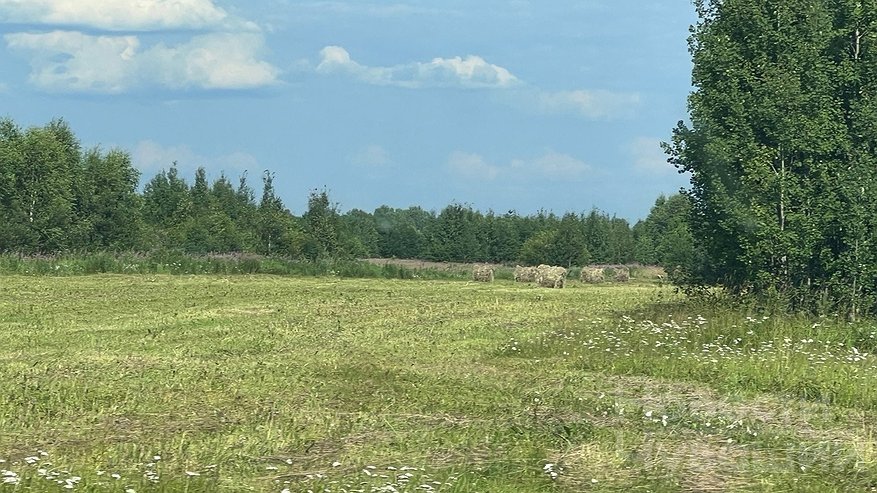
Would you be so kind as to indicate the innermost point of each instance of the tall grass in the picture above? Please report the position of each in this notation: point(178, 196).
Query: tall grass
point(731, 347)
point(179, 263)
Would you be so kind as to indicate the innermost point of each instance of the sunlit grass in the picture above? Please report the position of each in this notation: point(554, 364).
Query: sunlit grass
point(262, 383)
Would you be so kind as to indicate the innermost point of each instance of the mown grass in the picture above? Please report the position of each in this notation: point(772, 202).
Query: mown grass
point(267, 383)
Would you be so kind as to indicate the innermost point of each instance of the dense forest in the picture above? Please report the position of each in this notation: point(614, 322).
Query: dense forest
point(781, 145)
point(56, 197)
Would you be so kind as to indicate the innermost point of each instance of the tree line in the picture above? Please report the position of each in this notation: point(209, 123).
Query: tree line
point(781, 145)
point(57, 197)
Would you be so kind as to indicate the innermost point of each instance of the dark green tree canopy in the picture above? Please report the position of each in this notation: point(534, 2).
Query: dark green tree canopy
point(55, 196)
point(781, 149)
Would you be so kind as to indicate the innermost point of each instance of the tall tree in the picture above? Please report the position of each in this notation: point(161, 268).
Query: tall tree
point(44, 186)
point(167, 207)
point(570, 247)
point(664, 237)
point(504, 239)
point(359, 234)
point(781, 148)
point(597, 232)
point(272, 214)
point(454, 236)
point(13, 226)
point(323, 225)
point(108, 206)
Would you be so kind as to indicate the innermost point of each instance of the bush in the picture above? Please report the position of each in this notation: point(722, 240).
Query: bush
point(176, 262)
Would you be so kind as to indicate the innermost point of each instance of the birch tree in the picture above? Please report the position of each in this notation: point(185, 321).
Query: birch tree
point(781, 146)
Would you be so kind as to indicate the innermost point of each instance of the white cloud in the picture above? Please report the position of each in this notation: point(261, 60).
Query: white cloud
point(116, 15)
point(239, 161)
point(649, 157)
point(589, 104)
point(472, 166)
point(73, 61)
point(211, 61)
point(551, 165)
point(372, 9)
point(70, 61)
point(473, 72)
point(470, 72)
point(150, 157)
point(373, 156)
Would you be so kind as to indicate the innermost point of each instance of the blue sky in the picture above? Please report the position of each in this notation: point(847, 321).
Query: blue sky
point(499, 104)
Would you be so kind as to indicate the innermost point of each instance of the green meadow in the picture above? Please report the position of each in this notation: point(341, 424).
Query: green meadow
point(147, 382)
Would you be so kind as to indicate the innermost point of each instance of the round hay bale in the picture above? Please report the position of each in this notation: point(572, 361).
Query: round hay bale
point(622, 274)
point(525, 274)
point(592, 275)
point(551, 277)
point(482, 273)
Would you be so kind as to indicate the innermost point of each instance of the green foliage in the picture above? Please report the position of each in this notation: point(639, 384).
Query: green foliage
point(537, 249)
point(400, 231)
point(503, 237)
point(664, 238)
point(179, 262)
point(56, 198)
point(324, 227)
point(455, 236)
point(359, 234)
point(273, 218)
point(108, 206)
point(781, 150)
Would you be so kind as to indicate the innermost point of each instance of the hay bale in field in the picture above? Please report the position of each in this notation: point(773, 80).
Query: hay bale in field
point(592, 275)
point(622, 274)
point(482, 273)
point(550, 277)
point(525, 274)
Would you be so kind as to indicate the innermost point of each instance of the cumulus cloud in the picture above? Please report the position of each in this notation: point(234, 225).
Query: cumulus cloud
point(649, 157)
point(150, 157)
point(70, 61)
point(122, 15)
point(373, 156)
point(471, 72)
point(474, 72)
point(371, 9)
point(589, 104)
point(472, 166)
point(551, 165)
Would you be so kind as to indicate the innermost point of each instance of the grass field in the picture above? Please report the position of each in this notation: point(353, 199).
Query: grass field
point(262, 383)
